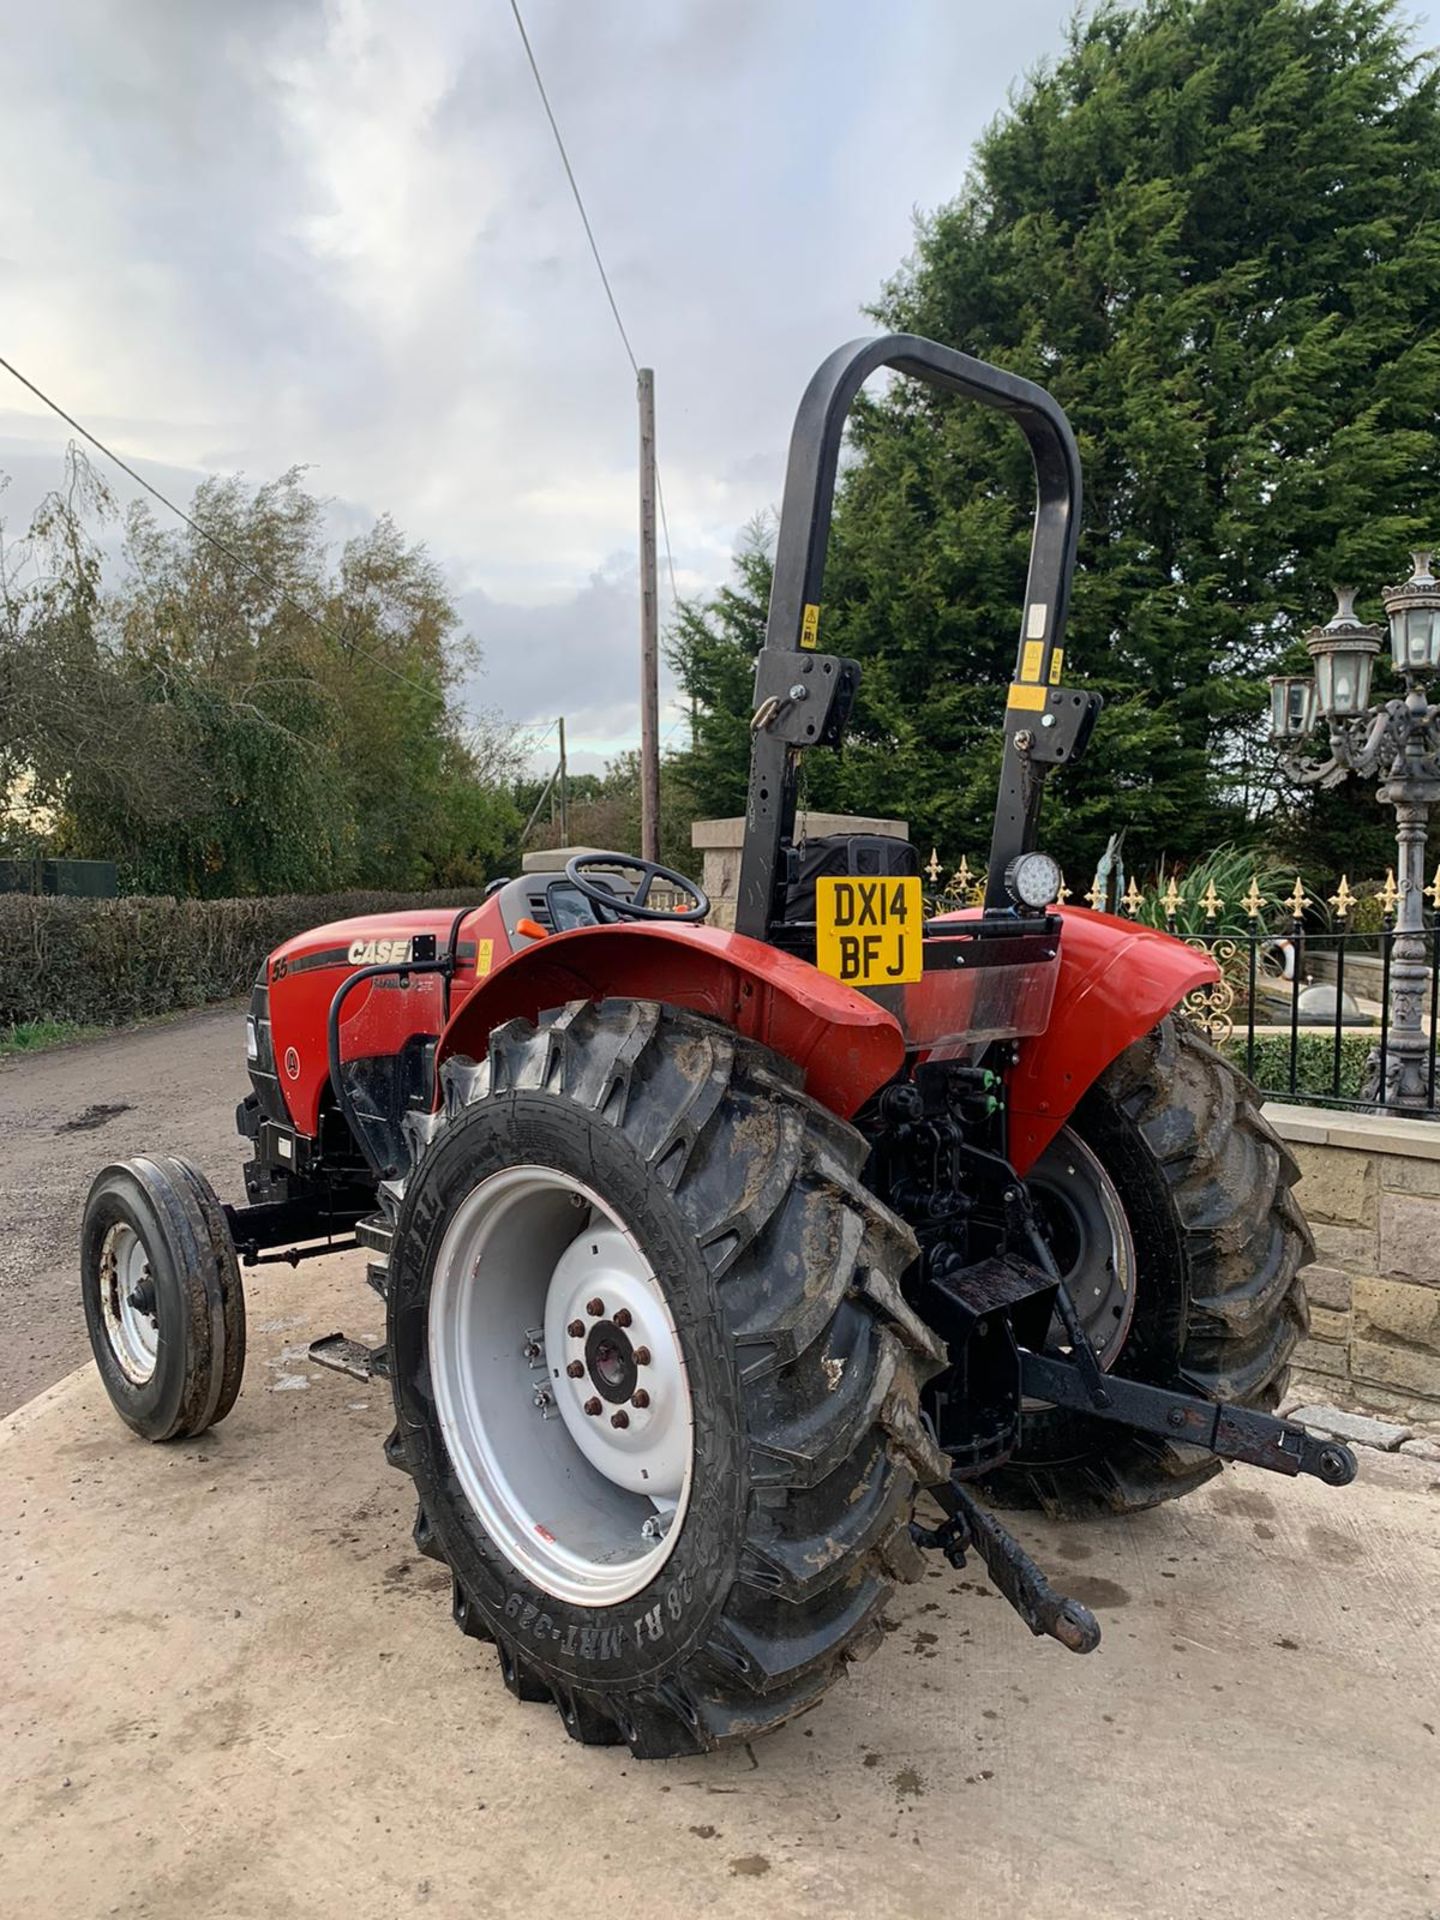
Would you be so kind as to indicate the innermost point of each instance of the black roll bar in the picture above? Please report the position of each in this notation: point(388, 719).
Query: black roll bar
point(795, 596)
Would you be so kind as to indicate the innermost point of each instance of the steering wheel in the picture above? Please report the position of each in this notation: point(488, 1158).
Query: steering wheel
point(613, 907)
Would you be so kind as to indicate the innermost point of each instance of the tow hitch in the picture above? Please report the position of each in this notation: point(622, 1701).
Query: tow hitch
point(1231, 1432)
point(989, 1314)
point(1221, 1428)
point(1010, 1568)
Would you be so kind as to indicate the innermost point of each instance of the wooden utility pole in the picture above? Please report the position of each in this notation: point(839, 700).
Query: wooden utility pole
point(649, 629)
point(564, 790)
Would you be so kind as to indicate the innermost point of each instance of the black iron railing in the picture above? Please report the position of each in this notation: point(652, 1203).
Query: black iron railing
point(1306, 1002)
point(1308, 1014)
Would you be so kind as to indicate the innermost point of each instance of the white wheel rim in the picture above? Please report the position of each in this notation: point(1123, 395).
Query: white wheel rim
point(127, 1303)
point(585, 1506)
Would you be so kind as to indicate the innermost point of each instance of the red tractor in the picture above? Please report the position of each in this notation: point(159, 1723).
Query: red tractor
point(704, 1254)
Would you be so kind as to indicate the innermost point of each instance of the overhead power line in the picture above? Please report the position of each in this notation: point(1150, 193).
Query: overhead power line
point(221, 546)
point(574, 186)
point(599, 263)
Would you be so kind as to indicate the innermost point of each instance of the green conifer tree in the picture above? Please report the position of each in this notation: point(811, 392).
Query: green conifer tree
point(1210, 229)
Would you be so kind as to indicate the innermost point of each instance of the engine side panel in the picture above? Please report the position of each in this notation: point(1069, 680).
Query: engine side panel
point(1117, 980)
point(380, 1016)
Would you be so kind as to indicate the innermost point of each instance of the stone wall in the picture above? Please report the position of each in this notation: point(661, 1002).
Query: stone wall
point(1370, 1188)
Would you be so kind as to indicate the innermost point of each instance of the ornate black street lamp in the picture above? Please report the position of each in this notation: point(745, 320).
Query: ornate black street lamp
point(1398, 742)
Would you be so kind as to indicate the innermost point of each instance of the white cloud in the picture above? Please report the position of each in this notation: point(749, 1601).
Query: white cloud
point(337, 232)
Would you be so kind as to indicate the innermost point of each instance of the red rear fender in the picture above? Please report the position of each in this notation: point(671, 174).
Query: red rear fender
point(845, 1045)
point(1116, 981)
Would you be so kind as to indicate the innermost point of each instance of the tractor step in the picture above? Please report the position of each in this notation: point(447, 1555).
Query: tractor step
point(343, 1355)
point(374, 1233)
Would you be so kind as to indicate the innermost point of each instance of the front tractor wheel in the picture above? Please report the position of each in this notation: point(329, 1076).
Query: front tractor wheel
point(164, 1306)
point(654, 1378)
point(1168, 1203)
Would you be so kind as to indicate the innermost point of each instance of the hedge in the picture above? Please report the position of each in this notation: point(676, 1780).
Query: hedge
point(102, 962)
point(1314, 1064)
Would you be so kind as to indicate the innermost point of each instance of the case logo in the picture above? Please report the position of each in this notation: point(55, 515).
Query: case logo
point(379, 953)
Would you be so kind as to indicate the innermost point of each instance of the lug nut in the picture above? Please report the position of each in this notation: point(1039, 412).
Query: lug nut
point(642, 1356)
point(576, 1369)
point(595, 1306)
point(576, 1329)
point(620, 1419)
point(622, 1317)
point(640, 1398)
point(592, 1406)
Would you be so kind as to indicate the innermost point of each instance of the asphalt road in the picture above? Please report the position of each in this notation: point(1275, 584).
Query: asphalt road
point(166, 1088)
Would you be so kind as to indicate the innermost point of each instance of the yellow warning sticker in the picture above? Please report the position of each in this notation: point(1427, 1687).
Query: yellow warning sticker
point(810, 627)
point(1057, 666)
point(1032, 699)
point(869, 933)
point(1032, 657)
point(484, 957)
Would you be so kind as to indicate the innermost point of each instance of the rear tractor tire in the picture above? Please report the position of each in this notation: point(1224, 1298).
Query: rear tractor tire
point(1169, 1201)
point(163, 1302)
point(653, 1376)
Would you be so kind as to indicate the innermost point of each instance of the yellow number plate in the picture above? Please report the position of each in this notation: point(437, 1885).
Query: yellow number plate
point(868, 933)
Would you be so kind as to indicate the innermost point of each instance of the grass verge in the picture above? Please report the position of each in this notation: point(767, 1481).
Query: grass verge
point(34, 1036)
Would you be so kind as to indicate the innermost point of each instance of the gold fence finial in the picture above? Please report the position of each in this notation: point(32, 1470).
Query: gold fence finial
point(1211, 901)
point(1096, 895)
point(933, 866)
point(1134, 899)
point(1172, 899)
point(1389, 893)
point(1298, 901)
point(1064, 894)
point(1342, 899)
point(1254, 900)
point(1434, 889)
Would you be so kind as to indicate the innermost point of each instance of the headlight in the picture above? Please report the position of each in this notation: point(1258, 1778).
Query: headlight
point(1033, 880)
point(252, 1039)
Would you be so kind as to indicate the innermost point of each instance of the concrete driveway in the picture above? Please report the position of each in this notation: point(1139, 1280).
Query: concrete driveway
point(232, 1689)
point(168, 1087)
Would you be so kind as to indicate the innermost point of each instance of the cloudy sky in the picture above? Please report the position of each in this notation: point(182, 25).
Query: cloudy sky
point(338, 232)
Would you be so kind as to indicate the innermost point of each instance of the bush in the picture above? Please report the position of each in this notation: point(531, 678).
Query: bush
point(1314, 1063)
point(101, 962)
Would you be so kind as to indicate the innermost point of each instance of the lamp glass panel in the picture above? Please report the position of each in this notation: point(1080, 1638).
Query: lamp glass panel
point(1325, 681)
point(1422, 623)
point(1415, 638)
point(1342, 688)
point(1344, 676)
point(1292, 707)
point(1364, 667)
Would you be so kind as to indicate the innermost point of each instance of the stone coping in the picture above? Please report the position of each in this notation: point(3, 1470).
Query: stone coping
point(730, 833)
point(1366, 1132)
point(552, 859)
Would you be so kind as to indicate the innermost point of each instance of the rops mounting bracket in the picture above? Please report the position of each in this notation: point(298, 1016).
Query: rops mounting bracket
point(1051, 725)
point(804, 699)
